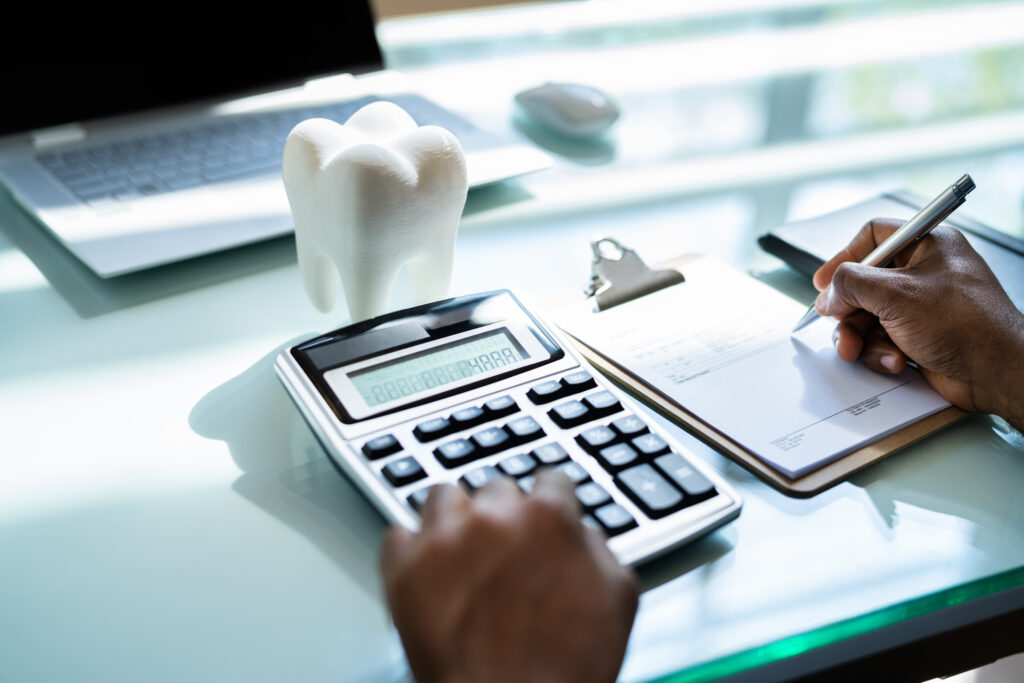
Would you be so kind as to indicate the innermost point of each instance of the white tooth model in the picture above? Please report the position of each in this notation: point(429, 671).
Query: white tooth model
point(369, 197)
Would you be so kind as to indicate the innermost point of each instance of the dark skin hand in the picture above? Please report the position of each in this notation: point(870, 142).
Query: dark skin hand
point(508, 587)
point(938, 305)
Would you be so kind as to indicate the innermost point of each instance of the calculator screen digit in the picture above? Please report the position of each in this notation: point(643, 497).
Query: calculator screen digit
point(422, 372)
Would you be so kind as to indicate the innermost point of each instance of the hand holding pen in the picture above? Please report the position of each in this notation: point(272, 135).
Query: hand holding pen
point(938, 305)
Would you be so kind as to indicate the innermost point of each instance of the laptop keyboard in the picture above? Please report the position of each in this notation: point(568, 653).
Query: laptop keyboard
point(228, 149)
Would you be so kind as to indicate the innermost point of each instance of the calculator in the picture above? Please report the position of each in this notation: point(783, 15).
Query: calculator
point(477, 387)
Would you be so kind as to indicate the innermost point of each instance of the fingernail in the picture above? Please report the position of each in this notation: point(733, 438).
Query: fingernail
point(888, 362)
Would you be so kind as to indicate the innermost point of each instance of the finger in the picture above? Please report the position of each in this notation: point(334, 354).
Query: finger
point(398, 543)
point(848, 337)
point(870, 236)
point(857, 287)
point(445, 502)
point(556, 488)
point(498, 494)
point(623, 578)
point(881, 354)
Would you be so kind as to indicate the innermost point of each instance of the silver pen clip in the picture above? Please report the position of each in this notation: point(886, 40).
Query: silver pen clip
point(618, 275)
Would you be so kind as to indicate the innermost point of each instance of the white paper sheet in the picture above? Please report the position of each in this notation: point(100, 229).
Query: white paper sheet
point(720, 346)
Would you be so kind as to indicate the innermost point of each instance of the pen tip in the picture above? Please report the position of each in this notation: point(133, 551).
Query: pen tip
point(810, 316)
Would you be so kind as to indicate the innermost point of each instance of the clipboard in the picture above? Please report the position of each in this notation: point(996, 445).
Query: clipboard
point(619, 277)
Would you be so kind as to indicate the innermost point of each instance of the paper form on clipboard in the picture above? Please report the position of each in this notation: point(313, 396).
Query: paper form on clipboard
point(719, 345)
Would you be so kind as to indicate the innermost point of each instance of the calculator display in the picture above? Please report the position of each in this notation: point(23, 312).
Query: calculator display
point(447, 364)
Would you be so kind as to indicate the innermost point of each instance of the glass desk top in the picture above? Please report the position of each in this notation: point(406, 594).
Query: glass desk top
point(167, 514)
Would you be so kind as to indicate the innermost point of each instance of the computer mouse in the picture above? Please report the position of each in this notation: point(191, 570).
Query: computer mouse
point(570, 109)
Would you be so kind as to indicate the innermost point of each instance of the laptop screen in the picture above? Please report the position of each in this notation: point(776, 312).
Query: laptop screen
point(92, 61)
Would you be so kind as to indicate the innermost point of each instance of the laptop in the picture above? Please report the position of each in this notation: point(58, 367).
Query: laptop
point(144, 145)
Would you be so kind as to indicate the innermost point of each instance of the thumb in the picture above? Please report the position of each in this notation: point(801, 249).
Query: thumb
point(857, 287)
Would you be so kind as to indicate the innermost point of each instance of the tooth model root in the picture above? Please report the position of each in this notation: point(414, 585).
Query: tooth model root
point(370, 197)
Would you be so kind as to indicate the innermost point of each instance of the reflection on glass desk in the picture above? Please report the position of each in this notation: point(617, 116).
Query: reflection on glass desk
point(167, 514)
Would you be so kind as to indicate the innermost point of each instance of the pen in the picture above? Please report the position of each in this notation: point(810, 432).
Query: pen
point(917, 227)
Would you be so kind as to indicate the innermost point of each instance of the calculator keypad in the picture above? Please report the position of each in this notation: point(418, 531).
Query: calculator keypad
point(579, 428)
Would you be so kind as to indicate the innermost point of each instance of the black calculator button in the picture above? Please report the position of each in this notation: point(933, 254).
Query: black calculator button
point(617, 457)
point(545, 392)
point(517, 465)
point(418, 497)
point(467, 417)
point(650, 445)
point(649, 490)
point(550, 454)
point(570, 414)
point(501, 406)
point(524, 429)
point(403, 471)
point(478, 478)
point(381, 446)
point(594, 439)
point(614, 519)
point(491, 439)
point(432, 429)
point(629, 426)
point(574, 471)
point(592, 495)
point(603, 403)
point(578, 381)
point(456, 452)
point(693, 483)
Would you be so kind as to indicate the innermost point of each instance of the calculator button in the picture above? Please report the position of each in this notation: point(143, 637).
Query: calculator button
point(526, 483)
point(649, 490)
point(603, 403)
point(574, 471)
point(476, 479)
point(457, 452)
point(594, 439)
point(419, 497)
point(432, 429)
point(381, 446)
point(545, 392)
point(650, 445)
point(578, 381)
point(617, 457)
point(517, 465)
point(629, 426)
point(693, 483)
point(467, 417)
point(550, 454)
point(592, 495)
point(403, 471)
point(614, 519)
point(524, 429)
point(491, 439)
point(570, 414)
point(501, 406)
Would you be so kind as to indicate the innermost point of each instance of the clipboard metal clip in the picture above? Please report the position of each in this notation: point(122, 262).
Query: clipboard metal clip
point(618, 275)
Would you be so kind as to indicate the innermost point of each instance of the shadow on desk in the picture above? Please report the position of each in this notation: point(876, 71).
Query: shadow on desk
point(286, 473)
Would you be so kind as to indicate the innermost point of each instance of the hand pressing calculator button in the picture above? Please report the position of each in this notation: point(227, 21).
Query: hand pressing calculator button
point(475, 388)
